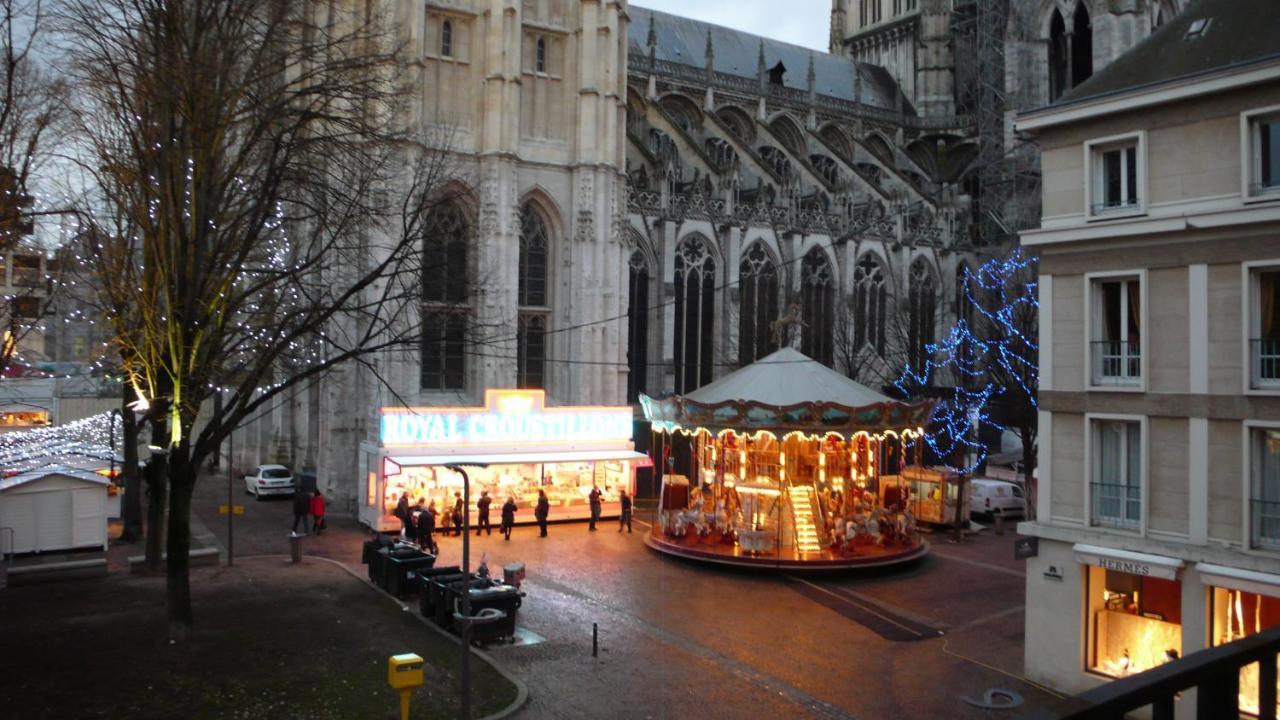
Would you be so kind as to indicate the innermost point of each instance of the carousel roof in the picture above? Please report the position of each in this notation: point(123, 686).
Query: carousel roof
point(783, 392)
point(787, 377)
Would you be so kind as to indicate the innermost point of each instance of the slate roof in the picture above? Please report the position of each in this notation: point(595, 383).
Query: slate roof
point(684, 41)
point(1240, 32)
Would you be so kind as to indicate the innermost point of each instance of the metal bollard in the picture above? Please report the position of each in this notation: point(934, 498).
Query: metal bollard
point(595, 640)
point(295, 548)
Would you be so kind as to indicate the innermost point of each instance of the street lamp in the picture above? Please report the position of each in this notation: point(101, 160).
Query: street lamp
point(465, 619)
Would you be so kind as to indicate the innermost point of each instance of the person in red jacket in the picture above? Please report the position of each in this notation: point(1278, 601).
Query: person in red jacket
point(317, 513)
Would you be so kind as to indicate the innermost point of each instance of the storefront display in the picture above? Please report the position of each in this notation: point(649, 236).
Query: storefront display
point(1134, 621)
point(514, 446)
point(1242, 603)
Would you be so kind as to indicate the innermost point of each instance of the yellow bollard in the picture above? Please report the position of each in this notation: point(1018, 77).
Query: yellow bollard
point(404, 673)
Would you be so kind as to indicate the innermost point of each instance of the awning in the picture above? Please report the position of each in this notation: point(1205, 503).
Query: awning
point(1237, 579)
point(518, 458)
point(1134, 563)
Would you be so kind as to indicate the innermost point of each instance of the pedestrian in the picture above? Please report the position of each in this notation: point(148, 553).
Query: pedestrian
point(426, 530)
point(317, 513)
point(508, 517)
point(414, 514)
point(444, 519)
point(402, 514)
point(594, 499)
point(457, 513)
point(540, 512)
point(301, 508)
point(625, 517)
point(482, 513)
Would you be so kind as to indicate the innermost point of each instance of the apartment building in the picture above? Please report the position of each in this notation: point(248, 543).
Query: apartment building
point(1159, 503)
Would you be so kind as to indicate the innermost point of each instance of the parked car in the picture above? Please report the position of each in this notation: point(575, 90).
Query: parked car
point(269, 480)
point(996, 497)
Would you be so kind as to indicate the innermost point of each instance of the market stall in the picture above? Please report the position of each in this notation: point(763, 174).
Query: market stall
point(514, 446)
point(786, 465)
point(930, 493)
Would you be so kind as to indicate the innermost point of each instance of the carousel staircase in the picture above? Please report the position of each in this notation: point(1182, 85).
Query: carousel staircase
point(802, 514)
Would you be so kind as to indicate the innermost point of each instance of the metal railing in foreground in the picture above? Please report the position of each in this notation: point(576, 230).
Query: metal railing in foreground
point(1213, 673)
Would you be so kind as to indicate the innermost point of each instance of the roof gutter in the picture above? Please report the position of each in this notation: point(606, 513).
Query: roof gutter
point(1188, 86)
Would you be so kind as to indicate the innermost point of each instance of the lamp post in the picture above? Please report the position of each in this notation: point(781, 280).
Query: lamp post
point(464, 676)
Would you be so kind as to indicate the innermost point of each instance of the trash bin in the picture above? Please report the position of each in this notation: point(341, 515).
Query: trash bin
point(387, 568)
point(505, 598)
point(426, 576)
point(402, 578)
point(444, 588)
point(369, 555)
point(513, 574)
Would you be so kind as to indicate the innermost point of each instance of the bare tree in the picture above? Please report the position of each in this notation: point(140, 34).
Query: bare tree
point(263, 209)
point(31, 110)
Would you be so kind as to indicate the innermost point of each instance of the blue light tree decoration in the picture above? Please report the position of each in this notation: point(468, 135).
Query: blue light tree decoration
point(991, 356)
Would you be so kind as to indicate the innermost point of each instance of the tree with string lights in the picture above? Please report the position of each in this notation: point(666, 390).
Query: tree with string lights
point(257, 211)
point(994, 365)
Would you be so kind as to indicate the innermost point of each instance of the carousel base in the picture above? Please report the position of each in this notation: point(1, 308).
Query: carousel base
point(693, 547)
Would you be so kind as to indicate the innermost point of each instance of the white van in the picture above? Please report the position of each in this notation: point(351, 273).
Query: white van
point(996, 497)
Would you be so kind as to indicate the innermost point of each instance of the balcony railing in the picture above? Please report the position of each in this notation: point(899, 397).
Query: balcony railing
point(1265, 526)
point(1116, 505)
point(1214, 673)
point(1265, 361)
point(1116, 363)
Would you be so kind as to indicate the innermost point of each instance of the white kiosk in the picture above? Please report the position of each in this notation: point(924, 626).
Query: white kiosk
point(524, 446)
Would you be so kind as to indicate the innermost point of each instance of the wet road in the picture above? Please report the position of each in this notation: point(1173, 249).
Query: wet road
point(679, 639)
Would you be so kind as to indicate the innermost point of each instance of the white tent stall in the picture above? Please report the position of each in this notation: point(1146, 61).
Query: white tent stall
point(53, 508)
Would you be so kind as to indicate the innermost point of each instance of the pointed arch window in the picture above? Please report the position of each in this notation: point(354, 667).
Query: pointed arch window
point(446, 39)
point(758, 282)
point(694, 332)
point(1058, 58)
point(637, 326)
point(445, 279)
point(817, 307)
point(540, 56)
point(922, 304)
point(531, 331)
point(1081, 46)
point(869, 298)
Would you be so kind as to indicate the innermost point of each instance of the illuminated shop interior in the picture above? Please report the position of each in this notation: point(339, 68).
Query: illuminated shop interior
point(1238, 614)
point(1134, 622)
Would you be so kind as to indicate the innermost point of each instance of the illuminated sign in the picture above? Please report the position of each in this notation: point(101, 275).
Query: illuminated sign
point(508, 417)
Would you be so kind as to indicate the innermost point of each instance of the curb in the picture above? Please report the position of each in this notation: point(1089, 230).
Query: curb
point(522, 690)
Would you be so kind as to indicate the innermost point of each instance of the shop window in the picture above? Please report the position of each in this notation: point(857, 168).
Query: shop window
point(870, 296)
point(758, 281)
point(1116, 332)
point(817, 307)
point(1263, 154)
point(1264, 492)
point(638, 327)
point(921, 313)
point(1264, 328)
point(1134, 622)
point(1116, 486)
point(694, 331)
point(1238, 614)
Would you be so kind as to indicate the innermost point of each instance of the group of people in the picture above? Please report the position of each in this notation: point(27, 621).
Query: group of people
point(419, 522)
point(308, 503)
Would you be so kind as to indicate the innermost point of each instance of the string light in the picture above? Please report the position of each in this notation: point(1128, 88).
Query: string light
point(999, 366)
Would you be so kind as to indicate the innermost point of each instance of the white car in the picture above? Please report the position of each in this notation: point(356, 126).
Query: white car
point(996, 497)
point(269, 480)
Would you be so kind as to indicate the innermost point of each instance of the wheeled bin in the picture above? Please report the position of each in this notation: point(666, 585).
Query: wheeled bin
point(505, 598)
point(425, 578)
point(400, 573)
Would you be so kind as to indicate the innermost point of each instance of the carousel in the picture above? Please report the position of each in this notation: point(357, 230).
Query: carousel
point(786, 463)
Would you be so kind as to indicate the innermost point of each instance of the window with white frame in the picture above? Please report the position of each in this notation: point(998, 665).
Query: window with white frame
point(1115, 177)
point(1264, 494)
point(1115, 344)
point(1264, 328)
point(1263, 150)
point(1115, 488)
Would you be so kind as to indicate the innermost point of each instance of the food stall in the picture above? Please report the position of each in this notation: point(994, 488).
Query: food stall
point(931, 493)
point(513, 446)
point(785, 468)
